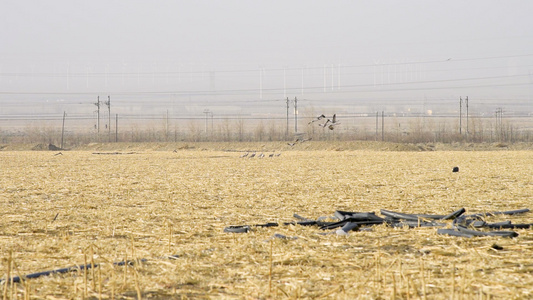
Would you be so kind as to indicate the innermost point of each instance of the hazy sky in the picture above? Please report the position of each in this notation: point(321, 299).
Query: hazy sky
point(268, 49)
point(264, 32)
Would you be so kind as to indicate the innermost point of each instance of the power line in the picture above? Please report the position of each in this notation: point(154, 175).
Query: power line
point(254, 90)
point(298, 68)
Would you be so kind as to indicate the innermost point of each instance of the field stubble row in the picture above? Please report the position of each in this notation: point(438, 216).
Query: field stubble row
point(64, 210)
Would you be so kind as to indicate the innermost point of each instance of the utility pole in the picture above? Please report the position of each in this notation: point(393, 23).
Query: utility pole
point(460, 115)
point(287, 129)
point(377, 124)
point(497, 123)
point(63, 128)
point(116, 128)
point(466, 100)
point(206, 112)
point(98, 115)
point(382, 126)
point(295, 115)
point(108, 103)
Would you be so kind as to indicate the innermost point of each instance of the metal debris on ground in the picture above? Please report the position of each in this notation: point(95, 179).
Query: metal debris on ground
point(462, 225)
point(77, 268)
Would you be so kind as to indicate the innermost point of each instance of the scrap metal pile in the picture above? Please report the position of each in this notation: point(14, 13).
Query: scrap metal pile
point(462, 225)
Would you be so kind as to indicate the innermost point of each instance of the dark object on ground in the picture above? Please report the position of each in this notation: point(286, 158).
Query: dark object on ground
point(454, 215)
point(267, 225)
point(465, 225)
point(59, 153)
point(455, 169)
point(246, 228)
point(417, 217)
point(112, 153)
point(72, 269)
point(486, 233)
point(284, 237)
point(453, 233)
point(462, 225)
point(509, 226)
point(297, 216)
point(497, 247)
point(341, 215)
point(465, 232)
point(414, 224)
point(237, 229)
point(53, 147)
point(511, 212)
point(399, 216)
point(350, 226)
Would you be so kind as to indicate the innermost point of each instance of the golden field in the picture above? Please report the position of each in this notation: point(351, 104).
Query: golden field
point(149, 202)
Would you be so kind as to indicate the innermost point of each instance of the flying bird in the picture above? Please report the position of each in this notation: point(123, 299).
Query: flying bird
point(317, 119)
point(294, 143)
point(333, 123)
point(325, 124)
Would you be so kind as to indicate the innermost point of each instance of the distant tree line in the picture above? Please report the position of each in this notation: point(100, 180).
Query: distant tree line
point(382, 127)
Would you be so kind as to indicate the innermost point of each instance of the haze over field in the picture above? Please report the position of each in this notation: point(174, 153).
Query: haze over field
point(247, 57)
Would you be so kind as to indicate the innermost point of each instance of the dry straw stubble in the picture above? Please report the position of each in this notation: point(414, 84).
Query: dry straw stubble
point(152, 204)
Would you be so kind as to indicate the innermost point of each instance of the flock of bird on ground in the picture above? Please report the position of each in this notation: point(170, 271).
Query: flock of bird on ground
point(260, 155)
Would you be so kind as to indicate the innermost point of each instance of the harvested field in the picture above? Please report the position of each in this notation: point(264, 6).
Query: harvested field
point(137, 203)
